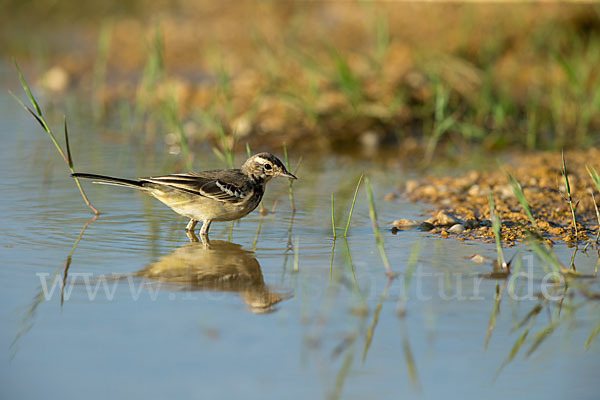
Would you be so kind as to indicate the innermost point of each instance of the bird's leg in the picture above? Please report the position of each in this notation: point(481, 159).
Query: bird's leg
point(192, 236)
point(205, 241)
point(205, 226)
point(204, 233)
point(191, 225)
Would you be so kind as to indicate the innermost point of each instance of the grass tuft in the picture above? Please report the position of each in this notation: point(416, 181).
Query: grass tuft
point(569, 198)
point(518, 192)
point(39, 117)
point(496, 225)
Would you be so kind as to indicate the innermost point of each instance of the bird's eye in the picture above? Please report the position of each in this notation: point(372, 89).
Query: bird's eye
point(268, 167)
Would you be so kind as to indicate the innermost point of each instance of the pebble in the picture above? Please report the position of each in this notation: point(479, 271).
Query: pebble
point(429, 191)
point(471, 224)
point(426, 227)
point(404, 223)
point(390, 197)
point(443, 218)
point(411, 186)
point(474, 190)
point(505, 191)
point(456, 228)
point(478, 258)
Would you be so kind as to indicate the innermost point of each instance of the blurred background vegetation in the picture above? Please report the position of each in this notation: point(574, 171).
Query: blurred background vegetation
point(418, 78)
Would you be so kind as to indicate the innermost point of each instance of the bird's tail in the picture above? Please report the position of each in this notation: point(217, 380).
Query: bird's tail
point(109, 180)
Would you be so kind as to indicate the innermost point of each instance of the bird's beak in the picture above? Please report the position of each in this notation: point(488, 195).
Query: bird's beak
point(287, 175)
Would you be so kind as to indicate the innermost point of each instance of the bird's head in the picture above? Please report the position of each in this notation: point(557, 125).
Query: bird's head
point(265, 166)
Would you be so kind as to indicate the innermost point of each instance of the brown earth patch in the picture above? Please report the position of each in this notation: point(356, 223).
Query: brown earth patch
point(461, 204)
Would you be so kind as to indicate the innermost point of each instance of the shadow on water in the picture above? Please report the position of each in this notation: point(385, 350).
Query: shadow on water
point(221, 266)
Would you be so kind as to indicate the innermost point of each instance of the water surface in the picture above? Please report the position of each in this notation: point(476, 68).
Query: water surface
point(267, 312)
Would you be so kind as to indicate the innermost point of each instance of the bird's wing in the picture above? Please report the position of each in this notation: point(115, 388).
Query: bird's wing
point(219, 189)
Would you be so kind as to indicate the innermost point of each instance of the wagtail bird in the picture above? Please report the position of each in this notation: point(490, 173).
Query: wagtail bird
point(218, 195)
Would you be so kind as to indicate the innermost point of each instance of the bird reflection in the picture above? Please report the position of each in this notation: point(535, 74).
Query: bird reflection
point(218, 266)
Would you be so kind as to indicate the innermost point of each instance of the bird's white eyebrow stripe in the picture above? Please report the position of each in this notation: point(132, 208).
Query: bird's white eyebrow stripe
point(261, 160)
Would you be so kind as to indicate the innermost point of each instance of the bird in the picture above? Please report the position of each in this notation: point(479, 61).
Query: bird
point(215, 195)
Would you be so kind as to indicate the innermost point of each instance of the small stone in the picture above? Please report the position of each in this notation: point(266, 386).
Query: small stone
point(411, 186)
point(505, 191)
point(404, 223)
point(426, 227)
point(471, 224)
point(429, 191)
point(474, 190)
point(444, 233)
point(444, 218)
point(478, 258)
point(456, 228)
point(390, 197)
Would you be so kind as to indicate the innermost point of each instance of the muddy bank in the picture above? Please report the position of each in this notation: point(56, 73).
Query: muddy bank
point(460, 204)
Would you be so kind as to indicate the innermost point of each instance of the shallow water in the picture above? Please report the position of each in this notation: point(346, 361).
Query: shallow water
point(144, 313)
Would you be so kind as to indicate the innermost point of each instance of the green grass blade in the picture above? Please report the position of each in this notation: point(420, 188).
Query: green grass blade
point(569, 197)
point(27, 90)
point(594, 175)
point(596, 179)
point(413, 258)
point(546, 255)
point(351, 264)
point(518, 192)
point(342, 375)
point(592, 336)
point(39, 117)
point(371, 330)
point(411, 365)
point(597, 216)
point(353, 203)
point(70, 158)
point(564, 173)
point(41, 120)
point(542, 335)
point(332, 215)
point(29, 110)
point(496, 224)
point(514, 351)
point(530, 315)
point(494, 314)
